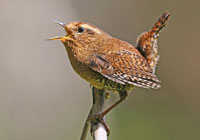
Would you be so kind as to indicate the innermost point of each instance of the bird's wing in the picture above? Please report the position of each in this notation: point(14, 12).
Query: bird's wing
point(123, 67)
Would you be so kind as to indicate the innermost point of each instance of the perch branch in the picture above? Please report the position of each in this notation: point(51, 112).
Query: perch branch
point(86, 127)
point(97, 129)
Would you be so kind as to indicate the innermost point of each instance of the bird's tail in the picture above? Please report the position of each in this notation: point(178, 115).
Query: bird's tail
point(147, 42)
point(160, 23)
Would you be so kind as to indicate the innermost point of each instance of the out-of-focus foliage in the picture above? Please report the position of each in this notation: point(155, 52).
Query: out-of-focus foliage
point(41, 98)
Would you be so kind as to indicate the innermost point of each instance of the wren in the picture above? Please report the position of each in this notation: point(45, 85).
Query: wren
point(112, 64)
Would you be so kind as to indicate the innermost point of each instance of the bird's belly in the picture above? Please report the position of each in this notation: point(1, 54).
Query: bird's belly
point(94, 78)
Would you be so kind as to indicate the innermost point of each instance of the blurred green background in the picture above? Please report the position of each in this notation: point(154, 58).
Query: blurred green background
point(42, 98)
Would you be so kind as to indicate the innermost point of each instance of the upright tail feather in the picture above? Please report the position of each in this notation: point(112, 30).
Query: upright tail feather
point(147, 42)
point(160, 23)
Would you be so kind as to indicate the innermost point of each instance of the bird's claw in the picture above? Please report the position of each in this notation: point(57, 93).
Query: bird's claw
point(95, 119)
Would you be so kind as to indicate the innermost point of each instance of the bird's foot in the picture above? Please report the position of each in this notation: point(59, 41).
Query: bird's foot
point(95, 119)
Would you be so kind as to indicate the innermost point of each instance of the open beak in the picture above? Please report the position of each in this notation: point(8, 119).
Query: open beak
point(58, 22)
point(62, 38)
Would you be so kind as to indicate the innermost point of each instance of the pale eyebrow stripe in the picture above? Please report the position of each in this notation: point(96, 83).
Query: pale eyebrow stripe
point(91, 28)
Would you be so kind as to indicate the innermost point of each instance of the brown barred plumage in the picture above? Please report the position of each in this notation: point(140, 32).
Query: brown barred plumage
point(92, 50)
point(112, 64)
point(147, 42)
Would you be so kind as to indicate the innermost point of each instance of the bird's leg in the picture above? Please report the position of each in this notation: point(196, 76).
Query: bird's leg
point(122, 95)
point(99, 117)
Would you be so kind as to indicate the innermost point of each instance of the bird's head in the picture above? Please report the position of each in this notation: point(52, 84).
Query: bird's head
point(80, 33)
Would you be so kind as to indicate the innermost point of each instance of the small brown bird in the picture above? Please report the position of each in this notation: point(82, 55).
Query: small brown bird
point(112, 64)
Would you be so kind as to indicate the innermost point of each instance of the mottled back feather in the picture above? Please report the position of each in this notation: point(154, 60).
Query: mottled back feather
point(123, 64)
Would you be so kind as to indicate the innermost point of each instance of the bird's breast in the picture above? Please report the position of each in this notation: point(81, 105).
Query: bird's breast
point(93, 77)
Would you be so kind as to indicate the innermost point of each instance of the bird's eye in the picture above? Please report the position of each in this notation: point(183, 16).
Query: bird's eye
point(80, 29)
